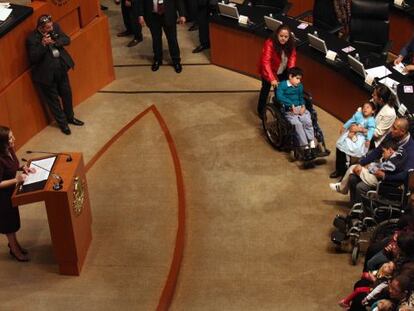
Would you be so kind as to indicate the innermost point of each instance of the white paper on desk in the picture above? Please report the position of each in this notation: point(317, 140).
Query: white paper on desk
point(42, 167)
point(389, 82)
point(303, 26)
point(4, 4)
point(4, 13)
point(378, 72)
point(400, 68)
point(398, 2)
point(408, 89)
point(348, 49)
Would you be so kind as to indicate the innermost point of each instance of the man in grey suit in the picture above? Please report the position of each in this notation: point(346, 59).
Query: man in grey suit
point(162, 15)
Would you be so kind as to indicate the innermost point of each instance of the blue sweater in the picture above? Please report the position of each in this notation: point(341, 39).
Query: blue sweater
point(409, 47)
point(290, 96)
point(359, 119)
point(376, 154)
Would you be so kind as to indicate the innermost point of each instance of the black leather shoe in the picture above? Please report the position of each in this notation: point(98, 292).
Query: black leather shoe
point(77, 122)
point(134, 42)
point(66, 130)
point(200, 48)
point(123, 33)
point(178, 67)
point(194, 27)
point(335, 174)
point(156, 65)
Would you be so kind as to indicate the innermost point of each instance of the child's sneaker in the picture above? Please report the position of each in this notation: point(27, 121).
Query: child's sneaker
point(335, 186)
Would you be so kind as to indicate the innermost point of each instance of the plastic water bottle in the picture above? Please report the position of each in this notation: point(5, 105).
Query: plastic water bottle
point(357, 56)
point(271, 15)
point(315, 33)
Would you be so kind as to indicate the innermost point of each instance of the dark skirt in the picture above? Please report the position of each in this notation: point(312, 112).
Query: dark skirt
point(9, 219)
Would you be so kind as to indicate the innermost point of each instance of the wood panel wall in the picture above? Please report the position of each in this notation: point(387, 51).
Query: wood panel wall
point(20, 106)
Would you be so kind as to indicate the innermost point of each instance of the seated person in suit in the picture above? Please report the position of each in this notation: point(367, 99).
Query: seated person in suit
point(290, 95)
point(407, 56)
point(401, 135)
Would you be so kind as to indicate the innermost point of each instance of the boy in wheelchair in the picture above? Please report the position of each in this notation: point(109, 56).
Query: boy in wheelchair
point(290, 94)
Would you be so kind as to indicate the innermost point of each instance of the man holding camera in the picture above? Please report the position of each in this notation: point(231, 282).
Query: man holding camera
point(50, 64)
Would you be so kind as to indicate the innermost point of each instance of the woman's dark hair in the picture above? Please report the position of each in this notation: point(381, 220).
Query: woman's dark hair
point(4, 139)
point(384, 93)
point(288, 46)
point(404, 283)
point(405, 242)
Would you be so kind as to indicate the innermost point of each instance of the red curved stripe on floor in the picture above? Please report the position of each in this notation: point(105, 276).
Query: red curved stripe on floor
point(171, 282)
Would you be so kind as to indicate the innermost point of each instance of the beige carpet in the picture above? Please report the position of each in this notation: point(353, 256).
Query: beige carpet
point(257, 225)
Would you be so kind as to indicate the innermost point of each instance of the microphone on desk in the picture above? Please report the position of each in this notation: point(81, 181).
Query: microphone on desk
point(57, 185)
point(68, 159)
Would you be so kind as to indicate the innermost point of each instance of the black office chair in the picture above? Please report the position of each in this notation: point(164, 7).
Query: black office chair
point(323, 16)
point(369, 27)
point(281, 6)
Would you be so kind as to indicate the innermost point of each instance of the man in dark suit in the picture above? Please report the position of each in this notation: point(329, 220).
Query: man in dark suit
point(204, 9)
point(159, 15)
point(129, 10)
point(50, 64)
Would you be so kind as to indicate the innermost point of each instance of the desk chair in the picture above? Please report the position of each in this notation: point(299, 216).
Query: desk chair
point(369, 27)
point(282, 6)
point(323, 16)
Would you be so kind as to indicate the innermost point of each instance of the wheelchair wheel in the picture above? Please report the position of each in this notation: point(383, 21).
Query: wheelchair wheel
point(384, 229)
point(355, 254)
point(272, 126)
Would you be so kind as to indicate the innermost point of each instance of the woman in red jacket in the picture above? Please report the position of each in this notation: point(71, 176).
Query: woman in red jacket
point(278, 54)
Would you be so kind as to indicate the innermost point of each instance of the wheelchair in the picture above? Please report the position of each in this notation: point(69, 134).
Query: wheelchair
point(281, 134)
point(373, 219)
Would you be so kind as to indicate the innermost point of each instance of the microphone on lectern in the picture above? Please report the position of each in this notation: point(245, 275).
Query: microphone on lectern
point(68, 159)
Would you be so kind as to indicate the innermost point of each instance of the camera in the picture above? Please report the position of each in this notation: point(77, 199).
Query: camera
point(53, 35)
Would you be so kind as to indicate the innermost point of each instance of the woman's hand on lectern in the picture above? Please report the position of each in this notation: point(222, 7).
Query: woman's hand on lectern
point(21, 178)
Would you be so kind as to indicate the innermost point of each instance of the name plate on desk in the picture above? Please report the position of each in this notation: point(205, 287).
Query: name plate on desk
point(331, 55)
point(399, 3)
point(369, 79)
point(244, 20)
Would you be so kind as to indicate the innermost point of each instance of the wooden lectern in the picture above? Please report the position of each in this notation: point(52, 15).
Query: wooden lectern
point(68, 212)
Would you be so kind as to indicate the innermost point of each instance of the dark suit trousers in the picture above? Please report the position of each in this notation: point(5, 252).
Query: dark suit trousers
point(191, 6)
point(156, 26)
point(50, 95)
point(131, 21)
point(203, 16)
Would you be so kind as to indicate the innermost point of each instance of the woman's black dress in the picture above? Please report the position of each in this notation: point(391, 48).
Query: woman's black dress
point(9, 215)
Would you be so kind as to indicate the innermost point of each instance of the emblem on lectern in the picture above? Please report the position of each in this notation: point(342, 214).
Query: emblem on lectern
point(78, 196)
point(60, 2)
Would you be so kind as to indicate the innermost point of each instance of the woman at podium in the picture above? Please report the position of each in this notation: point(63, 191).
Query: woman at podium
point(9, 215)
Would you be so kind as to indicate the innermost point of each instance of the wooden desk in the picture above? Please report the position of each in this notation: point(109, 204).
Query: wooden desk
point(240, 51)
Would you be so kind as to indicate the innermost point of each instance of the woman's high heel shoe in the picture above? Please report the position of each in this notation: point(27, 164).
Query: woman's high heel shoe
point(21, 259)
point(23, 250)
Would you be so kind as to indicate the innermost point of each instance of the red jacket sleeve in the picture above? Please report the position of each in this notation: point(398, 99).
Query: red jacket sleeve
point(266, 61)
point(292, 59)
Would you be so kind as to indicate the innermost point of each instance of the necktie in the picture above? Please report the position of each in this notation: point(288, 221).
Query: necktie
point(160, 7)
